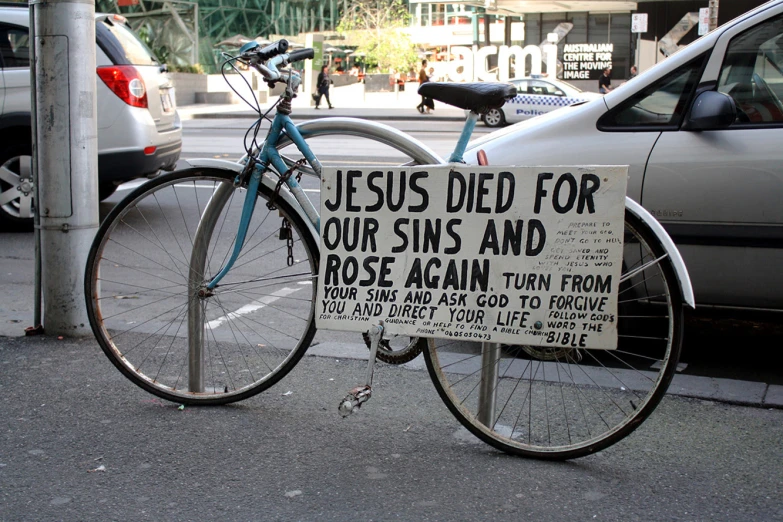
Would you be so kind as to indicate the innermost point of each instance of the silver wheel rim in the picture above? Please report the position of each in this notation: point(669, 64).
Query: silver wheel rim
point(493, 117)
point(16, 187)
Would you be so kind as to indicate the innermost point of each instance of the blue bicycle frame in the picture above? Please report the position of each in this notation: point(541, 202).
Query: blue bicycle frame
point(269, 155)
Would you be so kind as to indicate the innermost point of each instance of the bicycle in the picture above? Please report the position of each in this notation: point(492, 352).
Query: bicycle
point(198, 316)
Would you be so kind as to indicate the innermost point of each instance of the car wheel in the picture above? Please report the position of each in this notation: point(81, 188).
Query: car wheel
point(494, 118)
point(16, 186)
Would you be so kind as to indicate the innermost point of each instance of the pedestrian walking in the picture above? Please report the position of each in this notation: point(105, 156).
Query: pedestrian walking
point(427, 104)
point(634, 72)
point(605, 82)
point(323, 87)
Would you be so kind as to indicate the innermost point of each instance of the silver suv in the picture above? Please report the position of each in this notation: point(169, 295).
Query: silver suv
point(139, 131)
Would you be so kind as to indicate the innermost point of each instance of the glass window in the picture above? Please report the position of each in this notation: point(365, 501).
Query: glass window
point(14, 46)
point(133, 49)
point(542, 87)
point(752, 73)
point(661, 105)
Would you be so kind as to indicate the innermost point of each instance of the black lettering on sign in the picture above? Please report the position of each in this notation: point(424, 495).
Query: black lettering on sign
point(473, 194)
point(338, 192)
point(512, 238)
point(395, 205)
point(425, 197)
point(458, 275)
point(570, 197)
point(451, 224)
point(566, 191)
point(586, 193)
point(350, 190)
point(369, 269)
point(504, 178)
point(535, 228)
point(481, 192)
point(348, 231)
point(376, 189)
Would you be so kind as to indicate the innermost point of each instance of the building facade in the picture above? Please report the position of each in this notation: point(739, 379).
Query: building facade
point(590, 34)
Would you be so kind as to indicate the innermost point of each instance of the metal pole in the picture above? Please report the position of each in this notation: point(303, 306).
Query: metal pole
point(36, 327)
point(67, 156)
point(490, 369)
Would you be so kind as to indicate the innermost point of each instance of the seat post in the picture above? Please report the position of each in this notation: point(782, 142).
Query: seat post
point(462, 143)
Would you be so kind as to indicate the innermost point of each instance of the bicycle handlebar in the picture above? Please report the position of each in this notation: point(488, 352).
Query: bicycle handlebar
point(266, 53)
point(267, 59)
point(301, 54)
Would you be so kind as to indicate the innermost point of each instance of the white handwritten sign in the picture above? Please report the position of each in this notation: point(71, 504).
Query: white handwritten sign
point(519, 255)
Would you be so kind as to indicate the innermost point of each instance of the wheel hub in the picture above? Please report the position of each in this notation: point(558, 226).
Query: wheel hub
point(25, 186)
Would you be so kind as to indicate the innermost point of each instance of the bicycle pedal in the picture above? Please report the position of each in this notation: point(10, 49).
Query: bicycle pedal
point(354, 400)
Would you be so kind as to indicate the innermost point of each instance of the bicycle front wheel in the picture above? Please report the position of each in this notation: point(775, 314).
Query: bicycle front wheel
point(561, 403)
point(152, 314)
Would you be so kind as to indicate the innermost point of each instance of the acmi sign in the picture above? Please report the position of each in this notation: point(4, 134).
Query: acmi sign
point(470, 63)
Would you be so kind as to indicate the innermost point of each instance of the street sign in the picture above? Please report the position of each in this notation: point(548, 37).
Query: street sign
point(704, 20)
point(639, 23)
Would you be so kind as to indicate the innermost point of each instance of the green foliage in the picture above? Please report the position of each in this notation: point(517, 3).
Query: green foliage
point(195, 69)
point(376, 26)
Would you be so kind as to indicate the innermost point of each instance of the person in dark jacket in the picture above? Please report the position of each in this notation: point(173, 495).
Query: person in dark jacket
point(323, 87)
point(426, 103)
point(605, 81)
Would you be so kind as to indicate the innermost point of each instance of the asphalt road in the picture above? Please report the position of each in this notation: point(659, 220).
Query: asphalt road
point(79, 442)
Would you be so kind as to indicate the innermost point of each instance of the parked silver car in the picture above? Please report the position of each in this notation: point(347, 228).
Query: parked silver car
point(139, 131)
point(702, 133)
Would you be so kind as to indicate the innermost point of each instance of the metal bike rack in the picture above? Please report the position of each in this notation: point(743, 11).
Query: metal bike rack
point(490, 370)
point(198, 262)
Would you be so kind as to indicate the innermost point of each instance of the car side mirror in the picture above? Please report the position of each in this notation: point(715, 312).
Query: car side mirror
point(712, 110)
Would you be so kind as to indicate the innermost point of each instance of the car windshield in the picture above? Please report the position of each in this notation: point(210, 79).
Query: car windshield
point(136, 53)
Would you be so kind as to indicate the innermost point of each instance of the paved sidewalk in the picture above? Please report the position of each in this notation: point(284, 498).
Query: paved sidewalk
point(349, 100)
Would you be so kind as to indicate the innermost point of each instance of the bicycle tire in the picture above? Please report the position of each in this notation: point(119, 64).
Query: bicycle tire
point(140, 285)
point(570, 404)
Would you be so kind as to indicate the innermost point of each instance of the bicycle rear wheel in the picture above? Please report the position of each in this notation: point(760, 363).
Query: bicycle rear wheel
point(148, 306)
point(561, 403)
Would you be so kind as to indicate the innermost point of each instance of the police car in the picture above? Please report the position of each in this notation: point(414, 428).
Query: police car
point(536, 96)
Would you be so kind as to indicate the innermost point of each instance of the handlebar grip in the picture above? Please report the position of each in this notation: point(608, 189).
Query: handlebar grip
point(272, 50)
point(301, 54)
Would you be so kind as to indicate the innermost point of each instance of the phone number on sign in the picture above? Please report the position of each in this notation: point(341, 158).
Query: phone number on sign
point(467, 335)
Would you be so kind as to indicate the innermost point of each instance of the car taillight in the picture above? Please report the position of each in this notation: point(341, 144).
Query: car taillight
point(126, 82)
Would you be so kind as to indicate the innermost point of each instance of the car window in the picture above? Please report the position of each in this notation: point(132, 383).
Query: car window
point(752, 73)
point(521, 87)
point(14, 46)
point(661, 105)
point(122, 45)
point(541, 87)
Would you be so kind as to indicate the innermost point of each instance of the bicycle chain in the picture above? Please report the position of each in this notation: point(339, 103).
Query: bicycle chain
point(283, 178)
point(289, 234)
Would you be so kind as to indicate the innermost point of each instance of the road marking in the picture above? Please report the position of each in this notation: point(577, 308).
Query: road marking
point(252, 307)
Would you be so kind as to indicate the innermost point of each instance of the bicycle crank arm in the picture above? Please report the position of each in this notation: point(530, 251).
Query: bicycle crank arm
point(361, 394)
